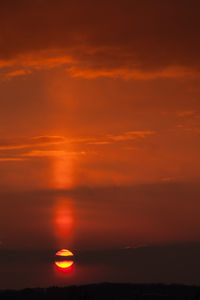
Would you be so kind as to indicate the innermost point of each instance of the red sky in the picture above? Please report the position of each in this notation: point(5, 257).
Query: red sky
point(101, 94)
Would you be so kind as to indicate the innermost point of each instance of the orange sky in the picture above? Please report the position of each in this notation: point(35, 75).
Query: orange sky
point(99, 94)
point(99, 125)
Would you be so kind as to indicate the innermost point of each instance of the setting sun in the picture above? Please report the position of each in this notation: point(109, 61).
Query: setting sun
point(64, 264)
point(64, 252)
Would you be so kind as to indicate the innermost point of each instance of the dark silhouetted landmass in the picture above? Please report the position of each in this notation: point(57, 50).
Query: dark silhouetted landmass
point(107, 291)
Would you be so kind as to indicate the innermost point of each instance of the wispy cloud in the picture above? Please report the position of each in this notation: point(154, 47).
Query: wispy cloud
point(15, 73)
point(26, 142)
point(7, 159)
point(72, 35)
point(186, 113)
point(23, 148)
point(131, 135)
point(189, 121)
point(46, 60)
point(100, 143)
point(28, 63)
point(52, 153)
point(133, 73)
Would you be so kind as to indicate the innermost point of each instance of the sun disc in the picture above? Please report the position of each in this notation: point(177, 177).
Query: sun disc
point(64, 264)
point(64, 252)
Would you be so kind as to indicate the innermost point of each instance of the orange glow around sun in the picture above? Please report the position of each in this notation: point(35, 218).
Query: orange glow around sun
point(63, 218)
point(62, 169)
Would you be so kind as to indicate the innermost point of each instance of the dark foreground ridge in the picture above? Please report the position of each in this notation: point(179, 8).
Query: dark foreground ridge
point(106, 291)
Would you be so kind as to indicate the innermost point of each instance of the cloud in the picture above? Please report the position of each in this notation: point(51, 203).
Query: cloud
point(52, 153)
point(130, 39)
point(11, 159)
point(26, 142)
point(189, 121)
point(16, 73)
point(187, 113)
point(21, 148)
point(128, 73)
point(131, 135)
point(27, 63)
point(100, 143)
